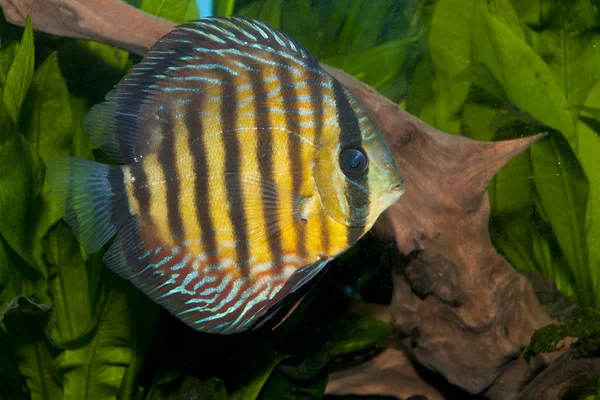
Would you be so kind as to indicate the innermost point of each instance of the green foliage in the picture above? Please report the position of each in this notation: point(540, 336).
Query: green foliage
point(489, 70)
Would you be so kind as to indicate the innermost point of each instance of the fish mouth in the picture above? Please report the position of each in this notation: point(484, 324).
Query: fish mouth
point(397, 188)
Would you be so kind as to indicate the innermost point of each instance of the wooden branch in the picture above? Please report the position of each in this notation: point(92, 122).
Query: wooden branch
point(569, 377)
point(108, 21)
point(462, 309)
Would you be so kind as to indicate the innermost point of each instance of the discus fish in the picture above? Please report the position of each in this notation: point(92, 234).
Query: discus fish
point(244, 168)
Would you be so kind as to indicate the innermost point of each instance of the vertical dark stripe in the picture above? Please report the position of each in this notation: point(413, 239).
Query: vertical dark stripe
point(316, 104)
point(235, 195)
point(168, 163)
point(350, 136)
point(292, 124)
point(264, 156)
point(198, 151)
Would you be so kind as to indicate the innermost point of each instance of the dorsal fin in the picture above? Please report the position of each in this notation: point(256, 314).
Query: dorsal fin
point(115, 124)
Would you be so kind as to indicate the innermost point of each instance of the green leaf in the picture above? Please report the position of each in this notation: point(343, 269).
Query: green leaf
point(192, 388)
point(563, 191)
point(96, 370)
point(350, 333)
point(280, 386)
point(525, 77)
point(512, 188)
point(251, 389)
point(347, 333)
point(566, 40)
point(477, 118)
point(223, 8)
point(178, 11)
point(144, 317)
point(12, 384)
point(357, 36)
point(25, 324)
point(82, 145)
point(7, 55)
point(589, 143)
point(10, 280)
point(450, 52)
point(19, 75)
point(512, 235)
point(21, 178)
point(377, 66)
point(271, 12)
point(73, 311)
point(47, 112)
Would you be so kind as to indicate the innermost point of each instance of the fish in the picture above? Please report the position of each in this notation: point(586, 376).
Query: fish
point(241, 169)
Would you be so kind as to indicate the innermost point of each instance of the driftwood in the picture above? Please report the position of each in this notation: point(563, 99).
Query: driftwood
point(569, 377)
point(460, 308)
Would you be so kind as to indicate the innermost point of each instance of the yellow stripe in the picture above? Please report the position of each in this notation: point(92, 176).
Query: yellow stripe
point(157, 207)
point(247, 136)
point(184, 162)
point(281, 167)
point(134, 206)
point(217, 190)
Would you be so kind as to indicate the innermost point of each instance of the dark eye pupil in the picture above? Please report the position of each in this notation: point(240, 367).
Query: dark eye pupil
point(353, 161)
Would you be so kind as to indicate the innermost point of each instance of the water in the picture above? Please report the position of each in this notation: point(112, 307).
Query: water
point(441, 299)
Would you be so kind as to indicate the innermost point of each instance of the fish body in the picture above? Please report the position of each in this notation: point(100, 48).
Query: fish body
point(245, 168)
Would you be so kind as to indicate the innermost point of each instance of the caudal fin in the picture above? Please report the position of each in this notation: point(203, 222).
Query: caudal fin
point(92, 198)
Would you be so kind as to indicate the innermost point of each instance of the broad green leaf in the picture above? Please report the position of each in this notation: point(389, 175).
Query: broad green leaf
point(82, 145)
point(192, 388)
point(144, 316)
point(377, 66)
point(348, 333)
point(589, 143)
point(421, 90)
point(21, 178)
point(450, 52)
point(223, 7)
point(91, 69)
point(251, 389)
point(357, 36)
point(7, 54)
point(511, 190)
point(551, 263)
point(19, 75)
point(512, 235)
point(563, 192)
point(46, 121)
point(191, 13)
point(281, 386)
point(25, 325)
point(96, 370)
point(73, 312)
point(570, 47)
point(13, 385)
point(172, 10)
point(480, 76)
point(10, 280)
point(271, 12)
point(525, 77)
point(476, 119)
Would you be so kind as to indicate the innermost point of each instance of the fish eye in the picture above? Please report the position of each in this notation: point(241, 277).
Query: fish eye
point(353, 161)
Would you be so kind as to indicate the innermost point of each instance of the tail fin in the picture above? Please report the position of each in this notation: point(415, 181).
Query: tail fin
point(92, 198)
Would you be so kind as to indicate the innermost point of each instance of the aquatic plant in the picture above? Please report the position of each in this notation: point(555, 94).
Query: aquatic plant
point(490, 70)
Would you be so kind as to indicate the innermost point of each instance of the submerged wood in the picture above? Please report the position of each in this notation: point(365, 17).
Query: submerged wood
point(461, 309)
